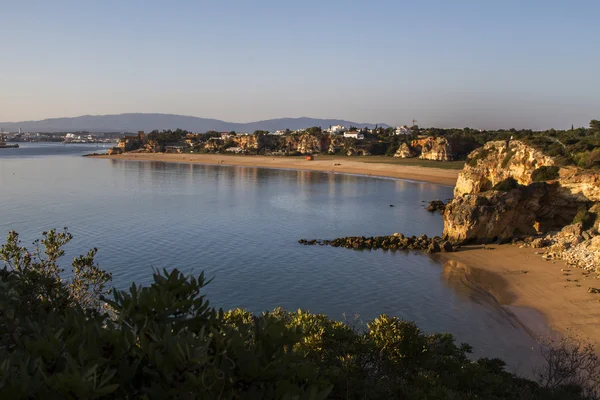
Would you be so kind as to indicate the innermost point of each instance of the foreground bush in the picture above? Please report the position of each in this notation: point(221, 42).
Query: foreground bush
point(64, 339)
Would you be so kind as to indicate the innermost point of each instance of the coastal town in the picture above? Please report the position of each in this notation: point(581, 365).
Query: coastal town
point(21, 136)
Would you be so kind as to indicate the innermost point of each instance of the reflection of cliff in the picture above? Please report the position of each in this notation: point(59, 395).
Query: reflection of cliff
point(481, 286)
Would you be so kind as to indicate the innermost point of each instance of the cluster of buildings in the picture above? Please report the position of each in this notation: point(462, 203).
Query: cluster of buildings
point(79, 137)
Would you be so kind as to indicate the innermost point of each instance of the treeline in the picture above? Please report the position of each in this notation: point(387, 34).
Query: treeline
point(576, 146)
point(63, 336)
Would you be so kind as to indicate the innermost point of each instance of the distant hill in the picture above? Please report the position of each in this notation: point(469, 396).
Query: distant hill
point(148, 122)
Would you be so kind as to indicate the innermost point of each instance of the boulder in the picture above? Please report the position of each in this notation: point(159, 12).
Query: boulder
point(404, 151)
point(436, 205)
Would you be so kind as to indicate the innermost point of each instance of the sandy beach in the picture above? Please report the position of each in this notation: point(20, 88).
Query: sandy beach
point(326, 164)
point(521, 280)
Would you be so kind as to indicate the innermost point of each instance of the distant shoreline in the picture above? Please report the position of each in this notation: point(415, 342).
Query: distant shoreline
point(346, 165)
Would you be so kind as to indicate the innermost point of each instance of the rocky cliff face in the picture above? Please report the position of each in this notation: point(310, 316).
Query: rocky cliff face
point(305, 144)
point(404, 151)
point(433, 148)
point(495, 198)
point(497, 161)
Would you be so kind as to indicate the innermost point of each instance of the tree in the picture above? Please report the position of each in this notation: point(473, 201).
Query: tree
point(314, 130)
point(595, 126)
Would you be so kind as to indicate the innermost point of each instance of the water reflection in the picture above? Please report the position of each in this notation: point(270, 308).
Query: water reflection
point(491, 291)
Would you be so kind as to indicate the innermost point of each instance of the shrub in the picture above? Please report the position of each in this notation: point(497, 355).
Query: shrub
point(586, 218)
point(506, 185)
point(545, 173)
point(164, 340)
point(509, 154)
point(479, 154)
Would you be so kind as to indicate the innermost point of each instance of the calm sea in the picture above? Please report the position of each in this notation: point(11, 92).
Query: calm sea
point(241, 226)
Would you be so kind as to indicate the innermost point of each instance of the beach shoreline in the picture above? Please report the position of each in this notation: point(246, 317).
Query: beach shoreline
point(537, 292)
point(341, 165)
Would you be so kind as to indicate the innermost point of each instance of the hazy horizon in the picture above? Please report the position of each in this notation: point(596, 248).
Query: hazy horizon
point(445, 64)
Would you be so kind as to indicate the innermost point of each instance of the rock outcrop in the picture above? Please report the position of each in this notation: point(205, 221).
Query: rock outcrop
point(404, 151)
point(495, 162)
point(497, 215)
point(496, 198)
point(433, 148)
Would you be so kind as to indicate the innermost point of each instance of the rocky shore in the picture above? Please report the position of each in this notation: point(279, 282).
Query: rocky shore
point(397, 241)
point(578, 247)
point(511, 192)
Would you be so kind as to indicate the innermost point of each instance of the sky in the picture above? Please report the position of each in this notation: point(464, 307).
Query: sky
point(476, 63)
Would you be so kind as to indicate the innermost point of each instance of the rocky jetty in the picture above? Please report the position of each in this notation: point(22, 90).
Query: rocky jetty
point(397, 241)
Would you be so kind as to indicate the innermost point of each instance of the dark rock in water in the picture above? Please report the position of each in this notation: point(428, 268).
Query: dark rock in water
point(447, 246)
point(436, 205)
point(391, 205)
point(433, 247)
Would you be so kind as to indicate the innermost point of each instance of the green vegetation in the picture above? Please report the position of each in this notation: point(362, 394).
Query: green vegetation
point(579, 146)
point(545, 173)
point(586, 218)
point(481, 154)
point(506, 185)
point(67, 339)
point(509, 154)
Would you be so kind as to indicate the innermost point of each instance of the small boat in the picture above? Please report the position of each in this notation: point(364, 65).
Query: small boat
point(8, 146)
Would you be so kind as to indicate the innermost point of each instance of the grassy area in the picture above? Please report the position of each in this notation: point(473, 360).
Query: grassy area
point(398, 161)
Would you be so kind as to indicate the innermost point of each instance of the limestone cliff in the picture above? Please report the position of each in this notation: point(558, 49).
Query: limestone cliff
point(289, 144)
point(433, 148)
point(497, 161)
point(496, 198)
point(404, 151)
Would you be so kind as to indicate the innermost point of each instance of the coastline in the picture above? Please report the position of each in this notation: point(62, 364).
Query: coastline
point(525, 285)
point(540, 300)
point(345, 165)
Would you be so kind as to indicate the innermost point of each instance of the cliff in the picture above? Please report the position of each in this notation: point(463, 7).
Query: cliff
point(404, 151)
point(429, 148)
point(433, 148)
point(509, 189)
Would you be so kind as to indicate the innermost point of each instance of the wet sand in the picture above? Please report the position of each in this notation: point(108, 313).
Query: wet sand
point(354, 166)
point(526, 285)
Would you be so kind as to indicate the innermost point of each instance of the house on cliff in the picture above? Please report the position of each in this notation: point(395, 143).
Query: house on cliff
point(354, 135)
point(403, 130)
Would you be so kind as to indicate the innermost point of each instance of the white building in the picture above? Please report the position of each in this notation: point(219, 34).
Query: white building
point(355, 135)
point(278, 133)
point(403, 130)
point(336, 129)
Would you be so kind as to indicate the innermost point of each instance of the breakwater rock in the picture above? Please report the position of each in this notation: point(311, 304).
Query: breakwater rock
point(436, 205)
point(397, 241)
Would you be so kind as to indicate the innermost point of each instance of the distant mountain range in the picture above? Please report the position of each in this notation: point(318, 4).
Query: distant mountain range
point(148, 122)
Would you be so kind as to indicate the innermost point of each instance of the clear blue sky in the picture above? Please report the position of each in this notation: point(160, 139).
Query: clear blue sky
point(477, 63)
